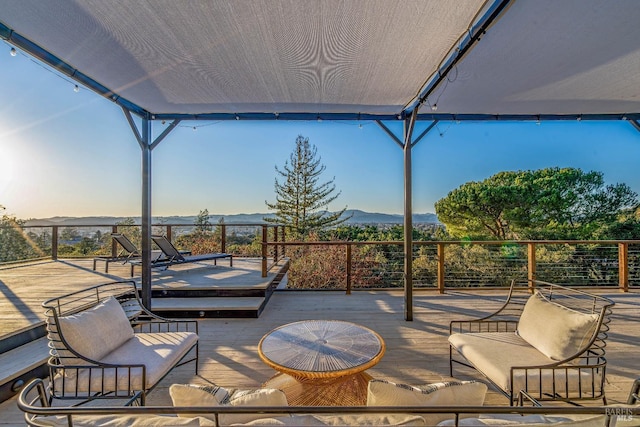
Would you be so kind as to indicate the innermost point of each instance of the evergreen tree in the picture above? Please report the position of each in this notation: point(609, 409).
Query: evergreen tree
point(203, 224)
point(301, 200)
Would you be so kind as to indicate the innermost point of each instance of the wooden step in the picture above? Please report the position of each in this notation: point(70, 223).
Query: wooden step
point(21, 364)
point(208, 307)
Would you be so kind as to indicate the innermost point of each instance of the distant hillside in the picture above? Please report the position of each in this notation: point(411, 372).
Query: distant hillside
point(359, 217)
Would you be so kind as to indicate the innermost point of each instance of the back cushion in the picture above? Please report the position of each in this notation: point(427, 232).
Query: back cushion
point(213, 395)
point(554, 330)
point(386, 393)
point(98, 331)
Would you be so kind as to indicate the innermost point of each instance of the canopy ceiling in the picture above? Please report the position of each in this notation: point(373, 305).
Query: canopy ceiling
point(342, 59)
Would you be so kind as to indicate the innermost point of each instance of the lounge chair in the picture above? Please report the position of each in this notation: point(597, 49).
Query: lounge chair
point(174, 256)
point(127, 252)
point(130, 254)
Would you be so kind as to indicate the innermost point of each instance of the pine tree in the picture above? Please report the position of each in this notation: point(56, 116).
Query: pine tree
point(301, 201)
point(202, 222)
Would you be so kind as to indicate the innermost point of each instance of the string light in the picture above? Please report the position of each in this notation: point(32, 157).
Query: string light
point(13, 51)
point(76, 88)
point(434, 107)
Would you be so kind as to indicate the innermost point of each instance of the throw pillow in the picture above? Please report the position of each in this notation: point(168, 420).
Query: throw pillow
point(213, 396)
point(386, 393)
point(98, 331)
point(554, 330)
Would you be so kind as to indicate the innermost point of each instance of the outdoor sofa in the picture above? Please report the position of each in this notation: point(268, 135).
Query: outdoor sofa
point(546, 340)
point(446, 404)
point(104, 344)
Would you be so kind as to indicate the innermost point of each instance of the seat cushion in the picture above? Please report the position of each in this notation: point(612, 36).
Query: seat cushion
point(159, 352)
point(495, 353)
point(298, 420)
point(125, 420)
point(556, 331)
point(531, 421)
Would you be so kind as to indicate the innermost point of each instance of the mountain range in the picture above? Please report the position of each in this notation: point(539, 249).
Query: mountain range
point(358, 217)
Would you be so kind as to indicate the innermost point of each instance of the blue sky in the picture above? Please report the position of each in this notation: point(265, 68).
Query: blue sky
point(66, 153)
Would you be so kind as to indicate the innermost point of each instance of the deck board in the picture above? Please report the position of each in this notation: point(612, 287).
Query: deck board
point(417, 351)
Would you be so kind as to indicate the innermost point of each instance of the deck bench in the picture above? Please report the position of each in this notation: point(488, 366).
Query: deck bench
point(550, 345)
point(105, 344)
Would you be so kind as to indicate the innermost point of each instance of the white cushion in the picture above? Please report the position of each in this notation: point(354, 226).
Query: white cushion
point(125, 420)
point(98, 331)
point(158, 352)
point(212, 396)
point(371, 420)
point(386, 393)
point(530, 421)
point(340, 420)
point(556, 331)
point(495, 353)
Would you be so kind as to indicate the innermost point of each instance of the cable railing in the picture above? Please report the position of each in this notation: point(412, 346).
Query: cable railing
point(349, 265)
point(441, 265)
point(27, 243)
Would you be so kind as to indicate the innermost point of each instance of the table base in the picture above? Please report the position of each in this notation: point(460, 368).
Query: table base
point(349, 390)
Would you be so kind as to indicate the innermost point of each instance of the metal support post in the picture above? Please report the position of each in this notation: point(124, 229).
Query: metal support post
point(408, 218)
point(146, 212)
point(146, 146)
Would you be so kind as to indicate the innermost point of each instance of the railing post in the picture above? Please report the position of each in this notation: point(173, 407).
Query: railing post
point(348, 268)
point(531, 266)
point(623, 266)
point(114, 244)
point(223, 238)
point(169, 233)
point(441, 249)
point(275, 240)
point(264, 251)
point(54, 242)
point(284, 248)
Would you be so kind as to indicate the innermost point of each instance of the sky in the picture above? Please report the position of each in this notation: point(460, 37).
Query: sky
point(68, 153)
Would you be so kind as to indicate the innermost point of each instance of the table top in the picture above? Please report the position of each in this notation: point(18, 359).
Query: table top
point(321, 348)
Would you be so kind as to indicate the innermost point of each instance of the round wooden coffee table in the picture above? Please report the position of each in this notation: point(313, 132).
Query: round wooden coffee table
point(321, 362)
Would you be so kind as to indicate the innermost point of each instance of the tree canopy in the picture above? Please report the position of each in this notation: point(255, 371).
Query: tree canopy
point(551, 203)
point(301, 200)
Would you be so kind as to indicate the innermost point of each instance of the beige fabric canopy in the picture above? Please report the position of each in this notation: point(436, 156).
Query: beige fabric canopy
point(342, 59)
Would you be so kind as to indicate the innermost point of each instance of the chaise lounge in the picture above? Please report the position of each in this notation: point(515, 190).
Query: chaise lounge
point(127, 253)
point(173, 256)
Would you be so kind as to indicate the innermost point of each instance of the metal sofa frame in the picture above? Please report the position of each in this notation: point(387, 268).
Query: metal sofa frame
point(65, 364)
point(589, 361)
point(35, 403)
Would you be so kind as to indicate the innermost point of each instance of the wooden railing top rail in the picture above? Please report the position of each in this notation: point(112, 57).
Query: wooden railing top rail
point(454, 242)
point(228, 224)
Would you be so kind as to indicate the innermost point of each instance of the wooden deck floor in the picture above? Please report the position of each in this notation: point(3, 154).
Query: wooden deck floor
point(417, 351)
point(23, 288)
